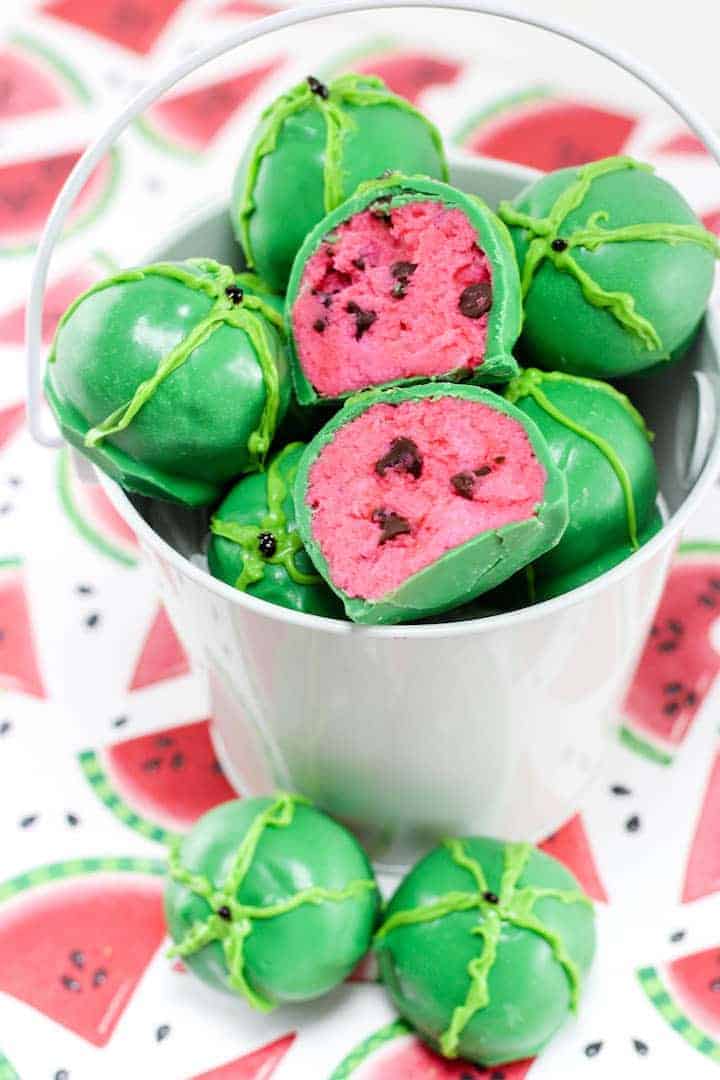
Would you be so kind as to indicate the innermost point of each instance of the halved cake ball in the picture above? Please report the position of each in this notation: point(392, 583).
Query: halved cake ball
point(312, 148)
point(412, 501)
point(616, 269)
point(170, 378)
point(409, 280)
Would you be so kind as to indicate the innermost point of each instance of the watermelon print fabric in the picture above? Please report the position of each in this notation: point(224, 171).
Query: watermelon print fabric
point(106, 738)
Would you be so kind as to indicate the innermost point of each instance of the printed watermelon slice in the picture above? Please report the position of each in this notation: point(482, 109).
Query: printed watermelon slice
point(679, 663)
point(251, 9)
point(159, 784)
point(76, 938)
point(187, 123)
point(134, 24)
point(19, 668)
point(394, 1053)
point(702, 874)
point(571, 846)
point(259, 1065)
point(162, 655)
point(686, 993)
point(33, 79)
point(11, 420)
point(93, 515)
point(543, 130)
point(28, 190)
point(58, 296)
point(683, 143)
point(410, 74)
point(7, 1072)
point(711, 221)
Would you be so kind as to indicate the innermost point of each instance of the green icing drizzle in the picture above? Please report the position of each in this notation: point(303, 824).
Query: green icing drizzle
point(544, 231)
point(528, 384)
point(233, 932)
point(255, 285)
point(514, 906)
point(288, 541)
point(212, 279)
point(357, 90)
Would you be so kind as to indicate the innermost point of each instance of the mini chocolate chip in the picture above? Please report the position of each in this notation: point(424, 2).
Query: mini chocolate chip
point(318, 87)
point(234, 293)
point(500, 459)
point(484, 470)
point(267, 544)
point(399, 290)
point(491, 898)
point(640, 1047)
point(404, 456)
point(225, 913)
point(392, 524)
point(327, 301)
point(476, 300)
point(463, 484)
point(363, 319)
point(319, 326)
point(403, 269)
point(559, 244)
point(359, 264)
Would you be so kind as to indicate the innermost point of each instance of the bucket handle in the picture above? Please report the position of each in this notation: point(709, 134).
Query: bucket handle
point(292, 17)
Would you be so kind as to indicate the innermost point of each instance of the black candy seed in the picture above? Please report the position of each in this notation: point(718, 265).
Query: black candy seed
point(403, 269)
point(267, 544)
point(399, 290)
point(633, 823)
point(318, 87)
point(640, 1047)
point(475, 300)
point(491, 898)
point(235, 293)
point(463, 484)
point(162, 1032)
point(225, 913)
point(319, 326)
point(391, 524)
point(559, 244)
point(593, 1049)
point(363, 319)
point(404, 456)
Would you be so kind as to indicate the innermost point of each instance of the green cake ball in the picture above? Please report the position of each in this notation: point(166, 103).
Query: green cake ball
point(270, 899)
point(313, 146)
point(616, 269)
point(414, 500)
point(170, 379)
point(409, 280)
point(601, 444)
point(484, 948)
point(255, 547)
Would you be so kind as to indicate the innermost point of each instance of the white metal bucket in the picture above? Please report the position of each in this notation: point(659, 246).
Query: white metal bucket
point(412, 732)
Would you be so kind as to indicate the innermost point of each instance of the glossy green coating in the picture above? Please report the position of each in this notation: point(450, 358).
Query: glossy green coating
point(615, 266)
point(505, 315)
point(263, 504)
point(464, 572)
point(601, 444)
point(310, 152)
point(271, 899)
point(166, 382)
point(484, 948)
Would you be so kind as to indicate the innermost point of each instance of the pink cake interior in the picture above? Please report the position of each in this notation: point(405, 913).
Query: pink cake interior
point(402, 484)
point(397, 293)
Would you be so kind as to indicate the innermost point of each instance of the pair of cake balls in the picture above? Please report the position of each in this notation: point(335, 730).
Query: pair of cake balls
point(391, 459)
point(483, 948)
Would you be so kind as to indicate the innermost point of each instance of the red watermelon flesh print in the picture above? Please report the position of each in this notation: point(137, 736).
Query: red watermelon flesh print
point(190, 121)
point(570, 845)
point(162, 656)
point(159, 784)
point(711, 221)
point(11, 420)
point(58, 296)
point(409, 74)
point(258, 1065)
point(702, 874)
point(93, 515)
point(28, 190)
point(252, 9)
point(19, 669)
point(684, 143)
point(394, 1053)
point(76, 938)
point(134, 24)
point(547, 132)
point(679, 663)
point(686, 992)
point(31, 83)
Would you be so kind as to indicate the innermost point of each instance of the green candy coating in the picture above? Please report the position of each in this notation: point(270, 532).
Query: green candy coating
point(462, 573)
point(168, 384)
point(616, 269)
point(505, 315)
point(601, 444)
point(310, 152)
point(271, 899)
point(484, 947)
point(263, 503)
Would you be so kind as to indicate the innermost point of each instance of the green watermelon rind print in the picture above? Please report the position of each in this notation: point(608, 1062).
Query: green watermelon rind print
point(376, 46)
point(7, 1072)
point(59, 66)
point(96, 776)
point(148, 131)
point(368, 1046)
point(95, 211)
point(655, 989)
point(533, 95)
point(71, 868)
point(83, 527)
